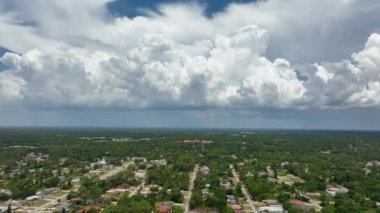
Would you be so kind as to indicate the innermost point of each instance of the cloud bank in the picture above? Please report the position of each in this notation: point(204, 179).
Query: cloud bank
point(74, 54)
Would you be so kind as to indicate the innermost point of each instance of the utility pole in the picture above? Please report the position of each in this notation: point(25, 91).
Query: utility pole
point(9, 210)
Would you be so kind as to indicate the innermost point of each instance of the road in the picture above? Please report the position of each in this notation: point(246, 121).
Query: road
point(137, 189)
point(244, 190)
point(52, 202)
point(191, 186)
point(114, 171)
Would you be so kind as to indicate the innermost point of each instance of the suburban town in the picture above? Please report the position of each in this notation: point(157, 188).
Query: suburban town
point(178, 174)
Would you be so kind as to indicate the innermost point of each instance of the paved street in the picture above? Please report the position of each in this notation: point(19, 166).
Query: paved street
point(114, 171)
point(245, 191)
point(137, 189)
point(191, 186)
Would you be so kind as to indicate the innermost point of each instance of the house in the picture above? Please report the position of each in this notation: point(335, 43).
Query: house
point(145, 192)
point(334, 190)
point(234, 157)
point(3, 209)
point(204, 211)
point(102, 162)
point(271, 209)
point(166, 207)
point(76, 200)
point(271, 206)
point(62, 161)
point(237, 208)
point(65, 171)
point(62, 208)
point(240, 164)
point(366, 171)
point(373, 163)
point(205, 192)
point(271, 202)
point(300, 204)
point(33, 197)
point(289, 179)
point(37, 156)
point(91, 208)
point(140, 174)
point(116, 191)
point(331, 191)
point(312, 195)
point(226, 183)
point(11, 207)
point(75, 181)
point(161, 162)
point(205, 170)
point(48, 191)
point(107, 197)
point(6, 192)
point(249, 174)
point(231, 199)
point(17, 204)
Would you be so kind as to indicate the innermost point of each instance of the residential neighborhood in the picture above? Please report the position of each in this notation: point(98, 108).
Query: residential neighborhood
point(187, 175)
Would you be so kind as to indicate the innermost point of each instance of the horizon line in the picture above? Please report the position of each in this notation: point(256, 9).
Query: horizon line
point(182, 128)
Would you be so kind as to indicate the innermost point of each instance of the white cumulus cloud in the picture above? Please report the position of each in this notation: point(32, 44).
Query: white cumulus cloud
point(82, 57)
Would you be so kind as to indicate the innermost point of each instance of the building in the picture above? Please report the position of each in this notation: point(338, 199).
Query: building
point(3, 209)
point(226, 183)
point(231, 199)
point(271, 206)
point(117, 191)
point(300, 204)
point(205, 192)
point(161, 162)
point(33, 197)
point(145, 191)
point(47, 191)
point(373, 163)
point(107, 197)
point(92, 208)
point(271, 209)
point(140, 174)
point(205, 170)
point(198, 141)
point(166, 207)
point(237, 208)
point(6, 191)
point(334, 190)
point(204, 211)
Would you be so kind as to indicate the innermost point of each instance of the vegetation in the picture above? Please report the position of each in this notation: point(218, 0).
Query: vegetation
point(32, 160)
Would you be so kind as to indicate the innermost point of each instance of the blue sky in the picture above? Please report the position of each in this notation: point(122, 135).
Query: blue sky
point(227, 64)
point(132, 8)
point(2, 52)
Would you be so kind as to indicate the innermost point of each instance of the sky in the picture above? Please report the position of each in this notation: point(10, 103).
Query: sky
point(284, 64)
